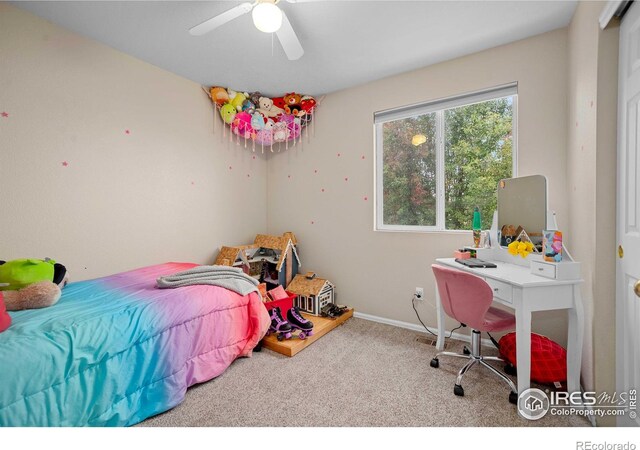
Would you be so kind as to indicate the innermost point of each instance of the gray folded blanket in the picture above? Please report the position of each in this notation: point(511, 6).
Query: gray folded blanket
point(231, 278)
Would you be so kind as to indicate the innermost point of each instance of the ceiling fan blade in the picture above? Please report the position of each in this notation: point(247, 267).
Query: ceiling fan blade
point(221, 19)
point(288, 39)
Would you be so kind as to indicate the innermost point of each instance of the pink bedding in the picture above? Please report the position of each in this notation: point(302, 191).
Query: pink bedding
point(118, 349)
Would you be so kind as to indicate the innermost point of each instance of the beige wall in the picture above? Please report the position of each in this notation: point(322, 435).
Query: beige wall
point(581, 156)
point(377, 272)
point(164, 192)
point(173, 189)
point(591, 180)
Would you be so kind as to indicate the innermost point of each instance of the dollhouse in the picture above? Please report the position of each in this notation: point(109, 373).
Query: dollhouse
point(313, 294)
point(270, 259)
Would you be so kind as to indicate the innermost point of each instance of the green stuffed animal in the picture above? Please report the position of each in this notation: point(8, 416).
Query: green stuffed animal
point(31, 283)
point(20, 273)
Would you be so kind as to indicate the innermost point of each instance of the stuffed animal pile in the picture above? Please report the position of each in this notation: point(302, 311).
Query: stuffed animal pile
point(29, 284)
point(262, 119)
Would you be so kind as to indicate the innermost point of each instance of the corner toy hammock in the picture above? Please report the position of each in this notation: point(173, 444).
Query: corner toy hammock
point(262, 120)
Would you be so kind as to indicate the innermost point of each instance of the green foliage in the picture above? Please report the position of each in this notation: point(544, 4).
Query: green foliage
point(478, 153)
point(478, 149)
point(409, 177)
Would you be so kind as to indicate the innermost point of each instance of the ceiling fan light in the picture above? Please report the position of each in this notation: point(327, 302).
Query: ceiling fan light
point(267, 17)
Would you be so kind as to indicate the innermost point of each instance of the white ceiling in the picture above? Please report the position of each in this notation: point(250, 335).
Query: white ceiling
point(346, 42)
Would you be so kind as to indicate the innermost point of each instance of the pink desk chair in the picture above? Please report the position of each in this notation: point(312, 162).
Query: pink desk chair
point(467, 298)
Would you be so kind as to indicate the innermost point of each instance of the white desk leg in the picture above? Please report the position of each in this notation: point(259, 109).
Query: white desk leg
point(574, 341)
point(440, 317)
point(523, 348)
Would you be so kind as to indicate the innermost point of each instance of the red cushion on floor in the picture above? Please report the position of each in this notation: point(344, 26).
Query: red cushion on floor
point(548, 359)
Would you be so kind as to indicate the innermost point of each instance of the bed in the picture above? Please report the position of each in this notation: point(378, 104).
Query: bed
point(116, 350)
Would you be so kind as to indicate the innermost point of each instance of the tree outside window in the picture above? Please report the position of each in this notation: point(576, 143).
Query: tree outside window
point(435, 167)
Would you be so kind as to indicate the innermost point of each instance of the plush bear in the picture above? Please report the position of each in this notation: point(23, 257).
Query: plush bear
point(268, 109)
point(292, 104)
point(31, 283)
point(292, 98)
point(508, 234)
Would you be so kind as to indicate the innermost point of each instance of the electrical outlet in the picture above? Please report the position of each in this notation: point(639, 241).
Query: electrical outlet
point(419, 293)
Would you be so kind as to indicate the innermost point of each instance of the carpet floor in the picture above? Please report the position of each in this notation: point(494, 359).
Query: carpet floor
point(362, 374)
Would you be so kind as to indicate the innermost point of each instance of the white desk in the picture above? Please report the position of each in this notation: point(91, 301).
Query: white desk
point(516, 287)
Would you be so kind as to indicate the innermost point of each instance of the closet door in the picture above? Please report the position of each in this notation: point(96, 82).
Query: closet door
point(628, 214)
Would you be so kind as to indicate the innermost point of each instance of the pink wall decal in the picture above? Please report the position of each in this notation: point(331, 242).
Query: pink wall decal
point(4, 114)
point(127, 131)
point(65, 164)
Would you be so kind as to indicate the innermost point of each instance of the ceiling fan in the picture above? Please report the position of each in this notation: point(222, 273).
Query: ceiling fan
point(267, 17)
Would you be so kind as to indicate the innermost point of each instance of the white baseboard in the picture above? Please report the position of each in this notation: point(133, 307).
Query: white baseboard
point(418, 328)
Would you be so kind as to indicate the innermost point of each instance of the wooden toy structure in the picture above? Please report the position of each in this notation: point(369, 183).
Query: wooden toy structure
point(270, 259)
point(313, 294)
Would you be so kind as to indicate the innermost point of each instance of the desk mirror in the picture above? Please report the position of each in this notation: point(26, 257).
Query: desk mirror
point(522, 202)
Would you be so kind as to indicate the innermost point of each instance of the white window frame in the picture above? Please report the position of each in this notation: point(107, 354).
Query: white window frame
point(438, 106)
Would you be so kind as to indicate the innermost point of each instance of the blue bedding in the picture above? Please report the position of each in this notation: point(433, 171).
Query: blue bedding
point(116, 350)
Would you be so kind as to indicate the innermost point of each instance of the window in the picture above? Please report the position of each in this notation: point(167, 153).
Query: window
point(436, 161)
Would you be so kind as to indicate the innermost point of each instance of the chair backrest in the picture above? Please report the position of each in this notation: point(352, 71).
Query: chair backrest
point(464, 296)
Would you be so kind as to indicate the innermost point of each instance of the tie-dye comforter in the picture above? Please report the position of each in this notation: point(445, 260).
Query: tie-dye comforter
point(116, 350)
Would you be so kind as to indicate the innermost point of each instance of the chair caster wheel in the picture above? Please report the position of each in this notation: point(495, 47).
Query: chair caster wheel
point(466, 351)
point(458, 390)
point(513, 398)
point(510, 369)
point(435, 363)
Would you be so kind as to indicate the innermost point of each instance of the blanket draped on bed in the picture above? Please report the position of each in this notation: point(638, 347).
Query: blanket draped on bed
point(231, 278)
point(116, 350)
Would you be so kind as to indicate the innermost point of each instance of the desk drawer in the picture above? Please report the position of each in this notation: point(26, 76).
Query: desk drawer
point(543, 269)
point(501, 290)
